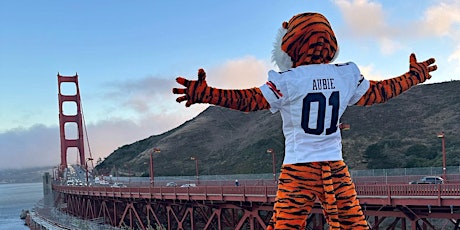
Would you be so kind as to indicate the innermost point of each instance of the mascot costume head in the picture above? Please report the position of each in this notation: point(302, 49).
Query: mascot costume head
point(306, 39)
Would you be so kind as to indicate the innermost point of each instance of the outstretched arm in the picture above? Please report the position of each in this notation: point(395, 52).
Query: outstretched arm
point(382, 91)
point(198, 91)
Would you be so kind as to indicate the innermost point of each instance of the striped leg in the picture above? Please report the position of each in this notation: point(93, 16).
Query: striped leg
point(298, 187)
point(350, 214)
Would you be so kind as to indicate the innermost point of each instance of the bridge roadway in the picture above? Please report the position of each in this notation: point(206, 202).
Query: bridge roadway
point(418, 206)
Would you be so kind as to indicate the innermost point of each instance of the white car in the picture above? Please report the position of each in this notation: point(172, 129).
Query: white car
point(429, 180)
point(188, 185)
point(118, 185)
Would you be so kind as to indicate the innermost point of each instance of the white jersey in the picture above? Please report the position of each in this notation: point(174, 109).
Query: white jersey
point(311, 99)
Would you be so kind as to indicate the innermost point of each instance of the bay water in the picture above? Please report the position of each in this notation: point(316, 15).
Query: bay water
point(13, 199)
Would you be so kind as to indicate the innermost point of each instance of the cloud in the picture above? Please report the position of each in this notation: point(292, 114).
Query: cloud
point(35, 146)
point(442, 19)
point(153, 111)
point(243, 73)
point(363, 17)
point(368, 19)
point(40, 145)
point(405, 27)
point(370, 73)
point(140, 94)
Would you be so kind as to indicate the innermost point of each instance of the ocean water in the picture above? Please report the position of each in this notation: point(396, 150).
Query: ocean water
point(13, 199)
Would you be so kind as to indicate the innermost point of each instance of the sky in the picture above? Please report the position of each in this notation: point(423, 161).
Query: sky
point(127, 55)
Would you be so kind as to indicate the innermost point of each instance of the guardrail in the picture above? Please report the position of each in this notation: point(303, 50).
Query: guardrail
point(389, 194)
point(409, 190)
point(202, 193)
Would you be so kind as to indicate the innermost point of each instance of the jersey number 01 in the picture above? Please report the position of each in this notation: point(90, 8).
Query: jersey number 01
point(320, 120)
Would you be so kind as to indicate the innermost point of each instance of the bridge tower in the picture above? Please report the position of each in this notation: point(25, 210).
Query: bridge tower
point(71, 102)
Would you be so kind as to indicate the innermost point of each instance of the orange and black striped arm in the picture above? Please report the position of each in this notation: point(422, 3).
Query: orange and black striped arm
point(198, 91)
point(382, 91)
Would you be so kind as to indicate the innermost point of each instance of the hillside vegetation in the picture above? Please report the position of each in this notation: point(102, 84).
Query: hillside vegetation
point(399, 133)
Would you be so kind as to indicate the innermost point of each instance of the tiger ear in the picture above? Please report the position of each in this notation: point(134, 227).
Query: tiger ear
point(285, 25)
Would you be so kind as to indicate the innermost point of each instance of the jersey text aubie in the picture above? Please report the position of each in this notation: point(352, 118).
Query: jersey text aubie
point(323, 83)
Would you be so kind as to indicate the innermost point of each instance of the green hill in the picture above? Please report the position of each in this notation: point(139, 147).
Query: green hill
point(399, 133)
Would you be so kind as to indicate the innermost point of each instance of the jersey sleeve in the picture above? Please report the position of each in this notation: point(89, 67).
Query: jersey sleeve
point(362, 84)
point(274, 90)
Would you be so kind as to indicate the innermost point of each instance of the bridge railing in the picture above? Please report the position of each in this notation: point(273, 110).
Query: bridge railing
point(202, 193)
point(362, 190)
point(451, 178)
point(409, 190)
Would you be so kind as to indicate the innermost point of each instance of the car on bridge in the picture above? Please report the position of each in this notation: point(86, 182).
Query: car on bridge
point(118, 185)
point(171, 184)
point(188, 185)
point(429, 180)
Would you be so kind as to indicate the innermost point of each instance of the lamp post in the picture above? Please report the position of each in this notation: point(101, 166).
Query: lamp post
point(442, 136)
point(196, 169)
point(271, 151)
point(151, 169)
point(86, 166)
point(152, 177)
point(127, 167)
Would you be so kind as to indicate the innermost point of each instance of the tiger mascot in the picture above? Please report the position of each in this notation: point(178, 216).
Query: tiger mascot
point(311, 94)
